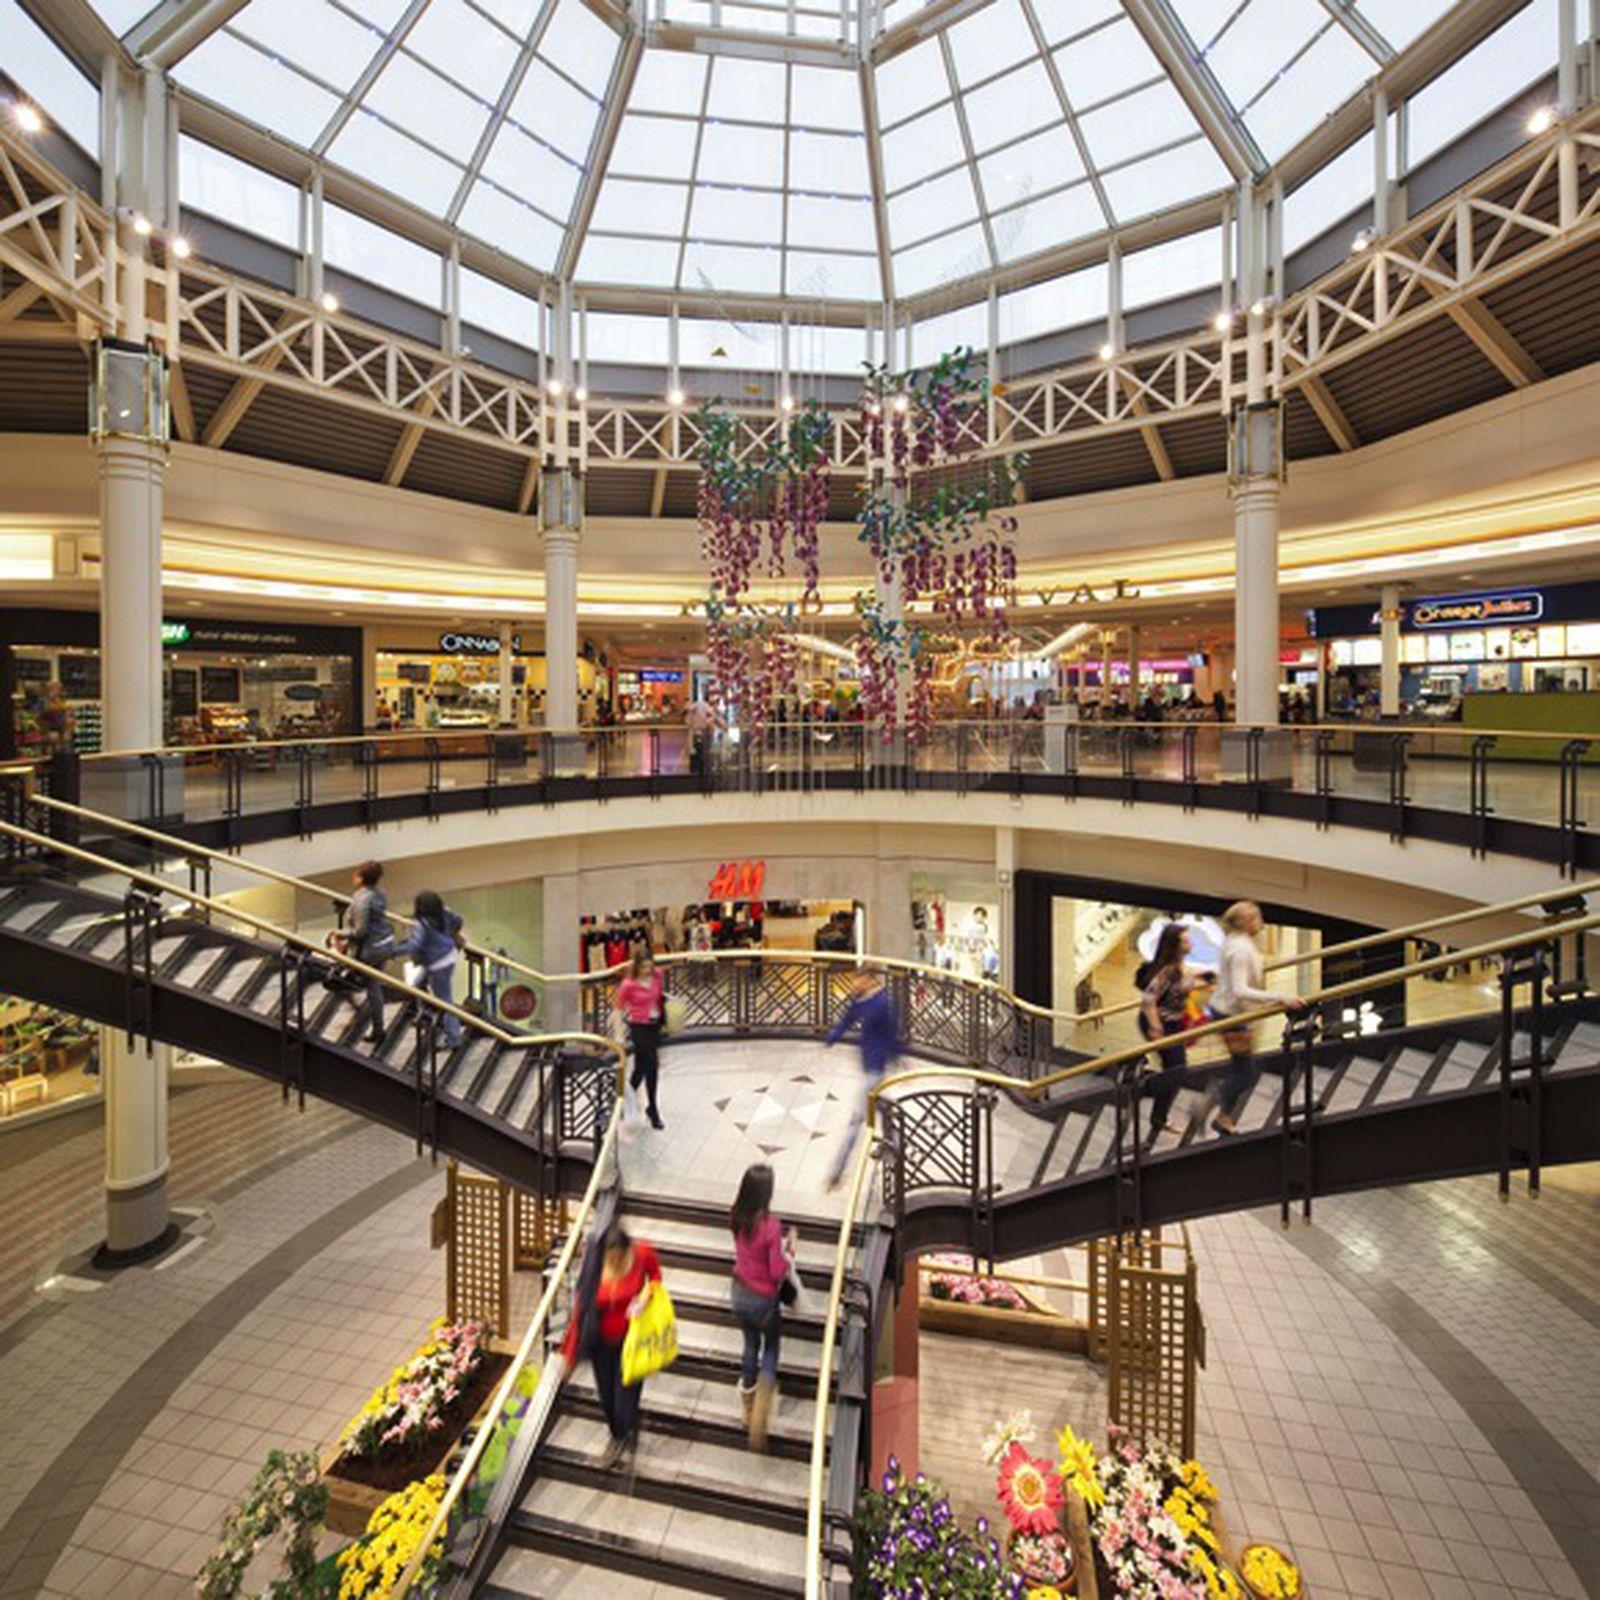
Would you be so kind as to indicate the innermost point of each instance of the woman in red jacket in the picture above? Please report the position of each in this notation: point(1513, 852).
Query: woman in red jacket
point(611, 1289)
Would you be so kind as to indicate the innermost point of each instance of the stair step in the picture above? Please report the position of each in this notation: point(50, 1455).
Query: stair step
point(240, 972)
point(704, 1296)
point(526, 1099)
point(196, 967)
point(27, 909)
point(687, 1407)
point(720, 1555)
point(459, 1073)
point(717, 1262)
point(706, 1216)
point(1582, 1048)
point(540, 1575)
point(761, 1488)
point(711, 1240)
point(502, 1074)
point(1405, 1078)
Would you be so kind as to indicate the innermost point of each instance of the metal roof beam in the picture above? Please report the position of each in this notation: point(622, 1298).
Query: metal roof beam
point(1198, 85)
point(618, 93)
point(1330, 413)
point(381, 58)
point(880, 200)
point(177, 27)
point(1359, 29)
point(1497, 342)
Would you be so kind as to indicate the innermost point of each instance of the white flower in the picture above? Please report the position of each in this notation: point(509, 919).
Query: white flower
point(1018, 1428)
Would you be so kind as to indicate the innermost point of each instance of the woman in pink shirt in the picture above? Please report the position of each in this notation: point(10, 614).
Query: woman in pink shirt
point(639, 999)
point(761, 1259)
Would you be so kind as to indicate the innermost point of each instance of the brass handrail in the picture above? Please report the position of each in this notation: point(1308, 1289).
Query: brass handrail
point(554, 1279)
point(177, 846)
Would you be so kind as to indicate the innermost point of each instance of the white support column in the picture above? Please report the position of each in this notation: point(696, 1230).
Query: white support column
point(508, 692)
point(135, 1080)
point(561, 520)
point(1380, 161)
point(1105, 667)
point(1389, 670)
point(132, 477)
point(1005, 870)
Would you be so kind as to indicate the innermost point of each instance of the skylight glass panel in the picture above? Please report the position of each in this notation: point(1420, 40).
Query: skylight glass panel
point(1204, 20)
point(523, 166)
point(370, 148)
point(423, 104)
point(368, 251)
point(461, 43)
point(1329, 195)
point(244, 79)
point(489, 304)
point(1167, 179)
point(1067, 302)
point(811, 275)
point(1146, 120)
point(1105, 63)
point(910, 82)
point(627, 207)
point(723, 268)
point(118, 15)
point(746, 216)
point(650, 263)
point(822, 97)
point(1513, 56)
point(729, 347)
point(932, 207)
point(1260, 42)
point(1029, 167)
point(749, 91)
point(1320, 81)
point(934, 336)
point(838, 350)
point(50, 81)
point(1400, 21)
point(654, 147)
point(828, 163)
point(581, 45)
point(222, 186)
point(831, 224)
point(505, 222)
point(989, 41)
point(550, 107)
point(622, 337)
point(730, 154)
point(384, 13)
point(921, 148)
point(1011, 107)
point(1049, 220)
point(957, 255)
point(311, 35)
point(1178, 267)
point(1062, 19)
point(669, 80)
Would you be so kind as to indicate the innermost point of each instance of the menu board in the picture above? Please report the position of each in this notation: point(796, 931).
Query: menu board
point(1466, 646)
point(1552, 640)
point(80, 677)
point(219, 685)
point(185, 690)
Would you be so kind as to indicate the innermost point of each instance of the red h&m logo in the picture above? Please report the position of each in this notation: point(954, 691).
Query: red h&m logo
point(738, 880)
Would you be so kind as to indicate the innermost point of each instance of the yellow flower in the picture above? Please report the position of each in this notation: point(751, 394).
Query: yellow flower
point(1269, 1572)
point(1078, 1468)
point(1196, 1482)
point(1044, 1592)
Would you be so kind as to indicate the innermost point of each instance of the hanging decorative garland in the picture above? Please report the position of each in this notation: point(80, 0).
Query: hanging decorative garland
point(953, 547)
point(752, 505)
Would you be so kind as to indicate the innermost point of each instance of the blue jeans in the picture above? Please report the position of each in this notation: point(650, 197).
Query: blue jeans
point(761, 1319)
point(1239, 1078)
point(858, 1117)
point(1164, 1085)
point(440, 982)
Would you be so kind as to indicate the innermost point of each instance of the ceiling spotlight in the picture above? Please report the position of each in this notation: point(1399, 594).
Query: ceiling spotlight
point(28, 118)
point(1223, 322)
point(181, 247)
point(1107, 351)
point(1262, 306)
point(788, 402)
point(580, 395)
point(1544, 119)
point(675, 398)
point(1363, 241)
point(902, 402)
point(142, 225)
point(554, 386)
point(329, 302)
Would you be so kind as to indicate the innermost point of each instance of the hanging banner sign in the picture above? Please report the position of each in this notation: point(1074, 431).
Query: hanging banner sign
point(737, 880)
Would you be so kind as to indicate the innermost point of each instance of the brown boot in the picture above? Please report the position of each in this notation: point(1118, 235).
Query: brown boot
point(760, 1414)
point(747, 1400)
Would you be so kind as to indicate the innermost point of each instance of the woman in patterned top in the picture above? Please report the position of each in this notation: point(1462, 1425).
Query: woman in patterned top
point(1167, 988)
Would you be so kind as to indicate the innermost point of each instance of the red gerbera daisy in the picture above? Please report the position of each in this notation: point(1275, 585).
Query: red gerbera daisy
point(1030, 1492)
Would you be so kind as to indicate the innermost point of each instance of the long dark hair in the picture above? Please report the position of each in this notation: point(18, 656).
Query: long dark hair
point(429, 908)
point(1169, 947)
point(754, 1200)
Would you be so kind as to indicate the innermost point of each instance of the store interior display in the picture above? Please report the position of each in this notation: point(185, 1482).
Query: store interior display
point(711, 925)
point(956, 933)
point(46, 1056)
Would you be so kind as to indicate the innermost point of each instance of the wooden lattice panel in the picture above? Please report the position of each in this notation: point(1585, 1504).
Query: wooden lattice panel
point(478, 1272)
point(537, 1223)
point(1151, 1312)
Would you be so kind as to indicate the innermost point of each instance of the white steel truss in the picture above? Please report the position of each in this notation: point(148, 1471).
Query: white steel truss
point(57, 248)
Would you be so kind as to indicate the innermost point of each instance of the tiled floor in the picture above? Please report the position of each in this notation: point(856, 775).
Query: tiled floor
point(1405, 1393)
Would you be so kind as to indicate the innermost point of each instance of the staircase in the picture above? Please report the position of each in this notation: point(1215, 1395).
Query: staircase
point(696, 1512)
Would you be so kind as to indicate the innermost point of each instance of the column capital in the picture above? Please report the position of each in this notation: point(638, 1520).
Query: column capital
point(560, 501)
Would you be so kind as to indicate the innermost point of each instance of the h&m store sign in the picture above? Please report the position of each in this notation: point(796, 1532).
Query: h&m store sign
point(1493, 608)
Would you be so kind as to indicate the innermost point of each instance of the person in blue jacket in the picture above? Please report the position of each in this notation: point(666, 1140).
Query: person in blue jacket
point(872, 1011)
point(434, 944)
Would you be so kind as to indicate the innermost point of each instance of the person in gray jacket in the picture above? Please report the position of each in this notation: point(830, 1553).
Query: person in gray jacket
point(369, 937)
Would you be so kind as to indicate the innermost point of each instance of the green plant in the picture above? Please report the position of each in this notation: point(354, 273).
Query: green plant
point(288, 1494)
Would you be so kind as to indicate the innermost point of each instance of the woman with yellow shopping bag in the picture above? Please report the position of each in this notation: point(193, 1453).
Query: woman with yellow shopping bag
point(621, 1278)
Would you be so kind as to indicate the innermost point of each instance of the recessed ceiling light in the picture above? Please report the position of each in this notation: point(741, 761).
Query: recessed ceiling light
point(28, 118)
point(1543, 120)
point(142, 226)
point(330, 302)
point(675, 397)
point(1107, 351)
point(181, 247)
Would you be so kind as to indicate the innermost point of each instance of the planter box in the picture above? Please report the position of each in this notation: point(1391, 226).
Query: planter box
point(1034, 1329)
point(351, 1502)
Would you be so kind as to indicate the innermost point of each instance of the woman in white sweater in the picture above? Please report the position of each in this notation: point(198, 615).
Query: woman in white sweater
point(1240, 979)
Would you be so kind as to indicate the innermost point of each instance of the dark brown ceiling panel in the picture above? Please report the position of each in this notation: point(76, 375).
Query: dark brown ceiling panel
point(44, 388)
point(1554, 314)
point(1197, 447)
point(1303, 433)
point(461, 470)
point(283, 425)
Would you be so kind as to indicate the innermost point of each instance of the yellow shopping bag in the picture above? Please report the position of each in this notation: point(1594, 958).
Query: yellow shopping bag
point(652, 1338)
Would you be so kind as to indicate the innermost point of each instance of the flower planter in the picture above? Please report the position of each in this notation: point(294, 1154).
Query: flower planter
point(1037, 1330)
point(1038, 1576)
point(1267, 1593)
point(356, 1488)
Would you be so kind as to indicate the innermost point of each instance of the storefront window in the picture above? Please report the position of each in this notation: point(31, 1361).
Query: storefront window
point(956, 926)
point(836, 926)
point(453, 681)
point(46, 1057)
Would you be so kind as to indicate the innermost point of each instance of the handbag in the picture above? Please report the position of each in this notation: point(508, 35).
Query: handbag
point(792, 1293)
point(651, 1343)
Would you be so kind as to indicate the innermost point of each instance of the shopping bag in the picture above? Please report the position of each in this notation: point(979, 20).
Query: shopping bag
point(652, 1338)
point(793, 1293)
point(673, 1015)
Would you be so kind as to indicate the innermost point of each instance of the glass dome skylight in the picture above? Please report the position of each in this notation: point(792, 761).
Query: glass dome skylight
point(792, 147)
